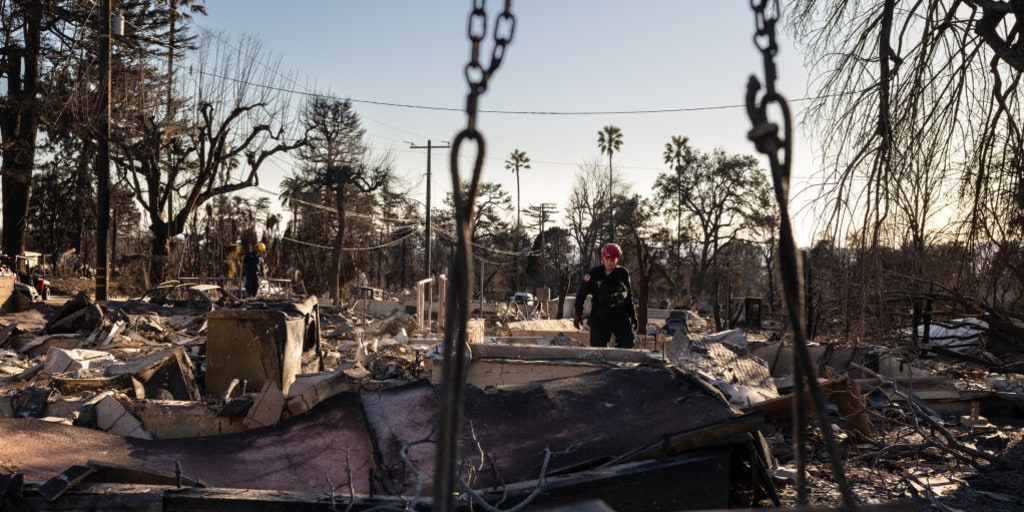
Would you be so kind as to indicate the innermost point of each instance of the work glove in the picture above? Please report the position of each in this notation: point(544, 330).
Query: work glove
point(576, 322)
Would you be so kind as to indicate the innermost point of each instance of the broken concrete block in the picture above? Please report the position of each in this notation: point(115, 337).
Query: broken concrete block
point(112, 417)
point(309, 390)
point(73, 360)
point(177, 419)
point(267, 407)
point(165, 372)
point(976, 423)
point(65, 407)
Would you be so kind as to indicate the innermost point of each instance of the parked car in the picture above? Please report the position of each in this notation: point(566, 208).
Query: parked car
point(27, 291)
point(523, 298)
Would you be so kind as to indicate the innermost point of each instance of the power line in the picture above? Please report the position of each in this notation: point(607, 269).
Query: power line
point(287, 78)
point(506, 112)
point(391, 243)
point(407, 221)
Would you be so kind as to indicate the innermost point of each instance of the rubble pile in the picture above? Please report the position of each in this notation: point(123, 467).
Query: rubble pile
point(302, 398)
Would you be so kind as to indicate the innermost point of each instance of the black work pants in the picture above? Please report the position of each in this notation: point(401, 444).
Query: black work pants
point(252, 285)
point(605, 322)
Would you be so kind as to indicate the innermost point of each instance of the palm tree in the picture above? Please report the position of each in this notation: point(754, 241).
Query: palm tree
point(678, 154)
point(609, 140)
point(517, 160)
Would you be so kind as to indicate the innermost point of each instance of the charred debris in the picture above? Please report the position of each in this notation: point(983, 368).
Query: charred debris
point(205, 402)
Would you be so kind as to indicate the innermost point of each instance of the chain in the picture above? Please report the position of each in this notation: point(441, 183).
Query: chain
point(765, 136)
point(456, 356)
point(764, 38)
point(477, 75)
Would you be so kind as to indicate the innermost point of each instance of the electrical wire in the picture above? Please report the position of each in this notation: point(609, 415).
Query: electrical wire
point(674, 110)
point(391, 243)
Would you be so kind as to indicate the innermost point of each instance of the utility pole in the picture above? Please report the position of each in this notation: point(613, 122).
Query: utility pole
point(542, 213)
point(546, 209)
point(426, 243)
point(103, 156)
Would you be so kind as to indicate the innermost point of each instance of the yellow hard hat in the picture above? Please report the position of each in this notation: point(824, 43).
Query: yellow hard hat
point(260, 247)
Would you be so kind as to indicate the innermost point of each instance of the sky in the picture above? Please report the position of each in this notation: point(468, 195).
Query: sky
point(566, 56)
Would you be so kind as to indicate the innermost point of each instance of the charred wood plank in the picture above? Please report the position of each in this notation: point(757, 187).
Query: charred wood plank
point(56, 487)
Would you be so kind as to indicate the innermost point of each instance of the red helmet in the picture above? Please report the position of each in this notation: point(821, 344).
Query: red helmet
point(611, 251)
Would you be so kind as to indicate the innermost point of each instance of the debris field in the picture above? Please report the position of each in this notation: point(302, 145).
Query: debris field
point(188, 398)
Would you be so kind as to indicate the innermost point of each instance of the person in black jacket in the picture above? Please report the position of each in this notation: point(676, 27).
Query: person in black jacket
point(611, 301)
point(252, 268)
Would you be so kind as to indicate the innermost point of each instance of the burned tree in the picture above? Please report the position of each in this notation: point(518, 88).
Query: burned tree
point(914, 98)
point(588, 211)
point(338, 174)
point(644, 255)
point(722, 197)
point(235, 121)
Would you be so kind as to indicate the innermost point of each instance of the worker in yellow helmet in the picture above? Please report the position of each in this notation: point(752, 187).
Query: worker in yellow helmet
point(253, 269)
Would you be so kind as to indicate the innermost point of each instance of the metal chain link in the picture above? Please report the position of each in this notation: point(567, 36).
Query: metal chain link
point(455, 350)
point(764, 38)
point(477, 76)
point(765, 136)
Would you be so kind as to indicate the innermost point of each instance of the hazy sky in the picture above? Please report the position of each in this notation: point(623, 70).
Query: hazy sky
point(693, 56)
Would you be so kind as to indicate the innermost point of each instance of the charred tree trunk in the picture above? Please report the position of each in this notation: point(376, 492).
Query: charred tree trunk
point(160, 250)
point(18, 126)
